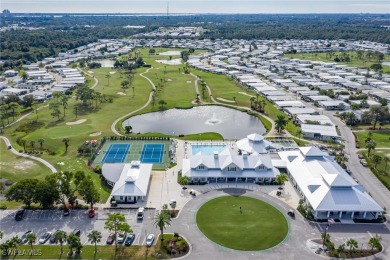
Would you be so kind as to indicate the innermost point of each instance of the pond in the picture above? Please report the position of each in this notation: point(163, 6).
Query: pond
point(230, 123)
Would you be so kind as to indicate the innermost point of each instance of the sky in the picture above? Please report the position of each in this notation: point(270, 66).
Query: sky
point(196, 6)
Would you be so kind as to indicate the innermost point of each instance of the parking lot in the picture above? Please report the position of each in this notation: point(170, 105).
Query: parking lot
point(41, 221)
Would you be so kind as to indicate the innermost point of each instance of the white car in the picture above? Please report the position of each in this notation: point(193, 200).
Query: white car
point(149, 240)
point(121, 237)
point(44, 237)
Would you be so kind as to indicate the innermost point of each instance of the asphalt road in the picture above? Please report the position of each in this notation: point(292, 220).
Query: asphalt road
point(370, 182)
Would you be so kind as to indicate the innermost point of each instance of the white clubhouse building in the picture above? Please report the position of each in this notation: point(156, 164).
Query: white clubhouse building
point(130, 181)
point(325, 187)
point(228, 167)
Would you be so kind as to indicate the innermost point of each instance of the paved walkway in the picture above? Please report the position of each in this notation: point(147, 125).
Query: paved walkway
point(46, 163)
point(92, 76)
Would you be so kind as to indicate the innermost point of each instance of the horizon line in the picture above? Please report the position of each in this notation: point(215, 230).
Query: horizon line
point(119, 13)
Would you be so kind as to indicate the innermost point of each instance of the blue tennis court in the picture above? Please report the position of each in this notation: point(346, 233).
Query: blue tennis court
point(116, 153)
point(152, 153)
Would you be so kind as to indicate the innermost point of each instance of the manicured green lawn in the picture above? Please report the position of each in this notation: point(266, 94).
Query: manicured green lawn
point(355, 62)
point(17, 168)
point(382, 139)
point(104, 252)
point(258, 227)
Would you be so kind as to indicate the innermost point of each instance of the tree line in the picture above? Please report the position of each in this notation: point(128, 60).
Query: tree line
point(59, 188)
point(19, 47)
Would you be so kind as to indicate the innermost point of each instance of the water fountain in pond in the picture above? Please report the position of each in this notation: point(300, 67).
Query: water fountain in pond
point(213, 121)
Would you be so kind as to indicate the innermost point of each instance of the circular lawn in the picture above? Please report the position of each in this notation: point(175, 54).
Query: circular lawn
point(257, 226)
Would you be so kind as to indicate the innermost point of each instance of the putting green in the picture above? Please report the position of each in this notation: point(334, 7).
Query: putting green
point(69, 131)
point(257, 227)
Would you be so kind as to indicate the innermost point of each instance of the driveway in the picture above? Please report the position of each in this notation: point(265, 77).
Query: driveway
point(40, 221)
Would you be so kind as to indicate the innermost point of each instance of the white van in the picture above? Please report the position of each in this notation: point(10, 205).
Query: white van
point(140, 213)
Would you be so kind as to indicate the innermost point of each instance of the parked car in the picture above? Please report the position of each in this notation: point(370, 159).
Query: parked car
point(129, 239)
point(172, 203)
point(360, 156)
point(91, 213)
point(53, 236)
point(291, 213)
point(77, 232)
point(149, 240)
point(140, 213)
point(19, 214)
point(66, 212)
point(45, 236)
point(110, 238)
point(348, 171)
point(23, 238)
point(364, 162)
point(121, 237)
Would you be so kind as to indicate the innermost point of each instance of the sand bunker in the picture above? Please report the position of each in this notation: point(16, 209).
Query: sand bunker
point(170, 62)
point(169, 80)
point(89, 71)
point(112, 72)
point(96, 133)
point(76, 122)
point(121, 93)
point(189, 81)
point(168, 53)
point(226, 100)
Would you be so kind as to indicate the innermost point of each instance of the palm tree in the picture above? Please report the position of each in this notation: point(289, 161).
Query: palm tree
point(15, 107)
point(375, 242)
point(1, 234)
point(162, 221)
point(73, 242)
point(234, 99)
point(95, 237)
point(369, 137)
point(376, 159)
point(370, 145)
point(280, 123)
point(352, 244)
point(31, 239)
point(41, 141)
point(108, 76)
point(60, 237)
point(281, 179)
point(386, 159)
point(32, 143)
point(263, 104)
point(23, 143)
point(66, 142)
point(133, 90)
point(252, 99)
point(341, 250)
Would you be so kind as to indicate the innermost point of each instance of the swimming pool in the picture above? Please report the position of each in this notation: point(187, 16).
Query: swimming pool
point(206, 149)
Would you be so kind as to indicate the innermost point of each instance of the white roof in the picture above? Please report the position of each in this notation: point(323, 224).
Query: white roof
point(323, 119)
point(254, 143)
point(323, 130)
point(133, 178)
point(216, 165)
point(326, 186)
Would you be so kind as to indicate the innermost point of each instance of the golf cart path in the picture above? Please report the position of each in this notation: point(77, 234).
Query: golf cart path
point(46, 163)
point(113, 129)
